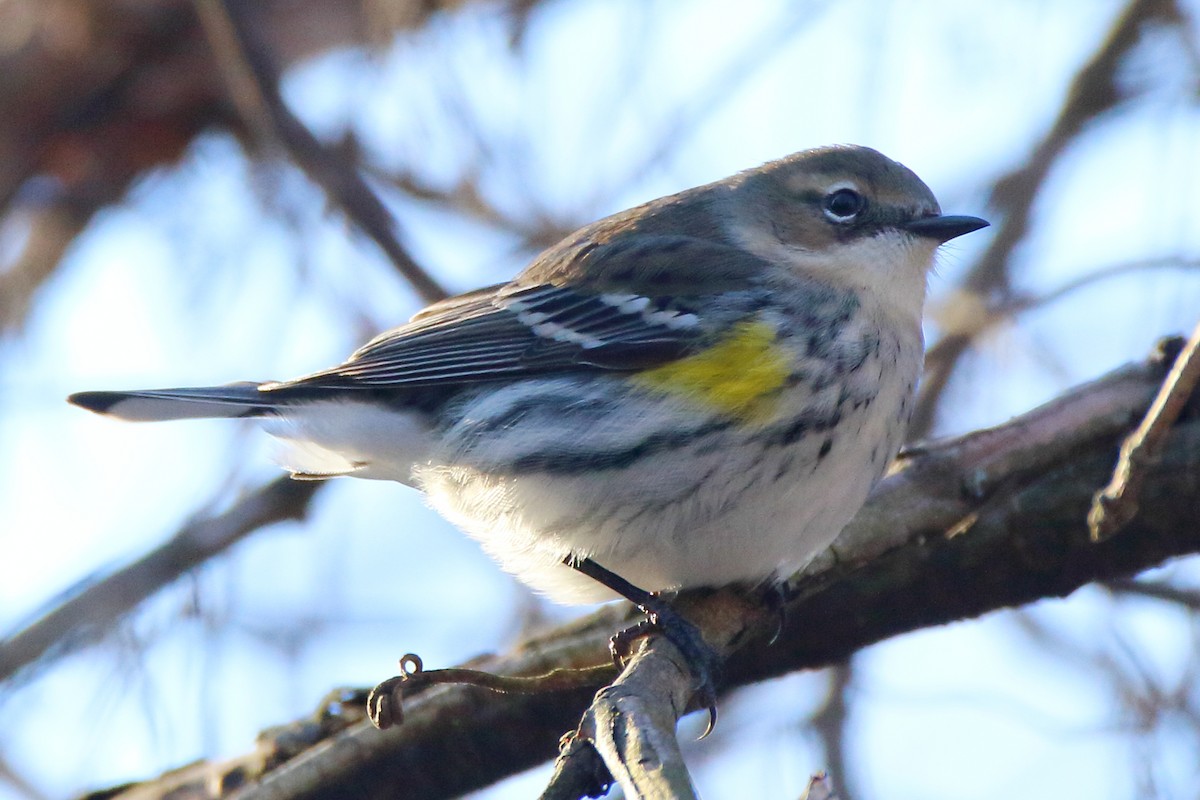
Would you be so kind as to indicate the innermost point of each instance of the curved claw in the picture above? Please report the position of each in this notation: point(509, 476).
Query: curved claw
point(701, 659)
point(712, 719)
point(775, 598)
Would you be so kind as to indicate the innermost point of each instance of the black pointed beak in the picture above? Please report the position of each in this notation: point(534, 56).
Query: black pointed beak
point(944, 228)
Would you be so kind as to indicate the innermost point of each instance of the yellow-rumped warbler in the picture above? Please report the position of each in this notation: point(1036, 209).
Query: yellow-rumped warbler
point(694, 392)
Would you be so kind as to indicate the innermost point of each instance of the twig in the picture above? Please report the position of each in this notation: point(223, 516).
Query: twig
point(1021, 304)
point(831, 726)
point(1094, 91)
point(1114, 505)
point(974, 324)
point(820, 787)
point(254, 90)
point(384, 704)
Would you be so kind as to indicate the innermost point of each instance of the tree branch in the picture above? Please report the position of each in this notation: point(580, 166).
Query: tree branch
point(1115, 504)
point(632, 723)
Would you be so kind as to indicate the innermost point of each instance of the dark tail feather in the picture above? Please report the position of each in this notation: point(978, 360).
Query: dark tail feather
point(146, 405)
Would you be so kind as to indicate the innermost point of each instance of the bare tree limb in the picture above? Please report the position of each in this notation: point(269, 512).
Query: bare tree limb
point(962, 527)
point(578, 772)
point(1114, 505)
point(632, 721)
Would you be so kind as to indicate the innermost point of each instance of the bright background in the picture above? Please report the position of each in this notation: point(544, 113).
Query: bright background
point(225, 268)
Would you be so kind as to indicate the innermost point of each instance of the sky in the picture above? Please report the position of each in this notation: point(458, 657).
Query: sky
point(218, 270)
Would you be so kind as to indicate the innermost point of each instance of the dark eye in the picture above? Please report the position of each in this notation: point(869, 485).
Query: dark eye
point(843, 205)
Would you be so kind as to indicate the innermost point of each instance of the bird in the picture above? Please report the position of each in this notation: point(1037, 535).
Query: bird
point(698, 391)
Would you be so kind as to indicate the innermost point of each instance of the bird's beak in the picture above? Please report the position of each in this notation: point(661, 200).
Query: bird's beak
point(944, 228)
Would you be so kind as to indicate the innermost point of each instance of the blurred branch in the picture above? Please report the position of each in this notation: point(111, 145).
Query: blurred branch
point(50, 230)
point(830, 723)
point(1148, 699)
point(820, 787)
point(1095, 91)
point(768, 42)
point(254, 87)
point(540, 227)
point(89, 613)
point(962, 527)
point(1020, 304)
point(17, 783)
point(966, 317)
point(96, 93)
point(466, 198)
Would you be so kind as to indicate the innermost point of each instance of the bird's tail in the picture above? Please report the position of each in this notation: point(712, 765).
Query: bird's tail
point(152, 405)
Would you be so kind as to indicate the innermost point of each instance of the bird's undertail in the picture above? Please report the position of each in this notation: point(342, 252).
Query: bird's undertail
point(152, 405)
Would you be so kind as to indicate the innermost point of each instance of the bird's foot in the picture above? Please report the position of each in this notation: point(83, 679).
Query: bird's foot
point(701, 659)
point(661, 618)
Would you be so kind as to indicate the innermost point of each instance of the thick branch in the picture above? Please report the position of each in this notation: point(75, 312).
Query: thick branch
point(965, 526)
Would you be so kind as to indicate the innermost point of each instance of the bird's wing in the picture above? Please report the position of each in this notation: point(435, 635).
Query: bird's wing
point(522, 329)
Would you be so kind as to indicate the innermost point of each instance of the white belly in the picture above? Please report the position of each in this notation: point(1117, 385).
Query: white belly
point(725, 508)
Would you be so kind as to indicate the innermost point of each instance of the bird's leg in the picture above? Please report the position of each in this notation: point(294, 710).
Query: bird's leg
point(703, 661)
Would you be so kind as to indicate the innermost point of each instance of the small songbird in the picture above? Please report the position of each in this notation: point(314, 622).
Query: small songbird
point(698, 391)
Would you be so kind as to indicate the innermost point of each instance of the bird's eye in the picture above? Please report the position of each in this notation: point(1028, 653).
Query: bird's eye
point(843, 205)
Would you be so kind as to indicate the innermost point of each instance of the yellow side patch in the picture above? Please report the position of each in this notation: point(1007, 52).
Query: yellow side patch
point(738, 375)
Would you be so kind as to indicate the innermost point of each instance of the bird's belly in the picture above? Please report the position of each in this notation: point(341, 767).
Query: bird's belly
point(721, 504)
